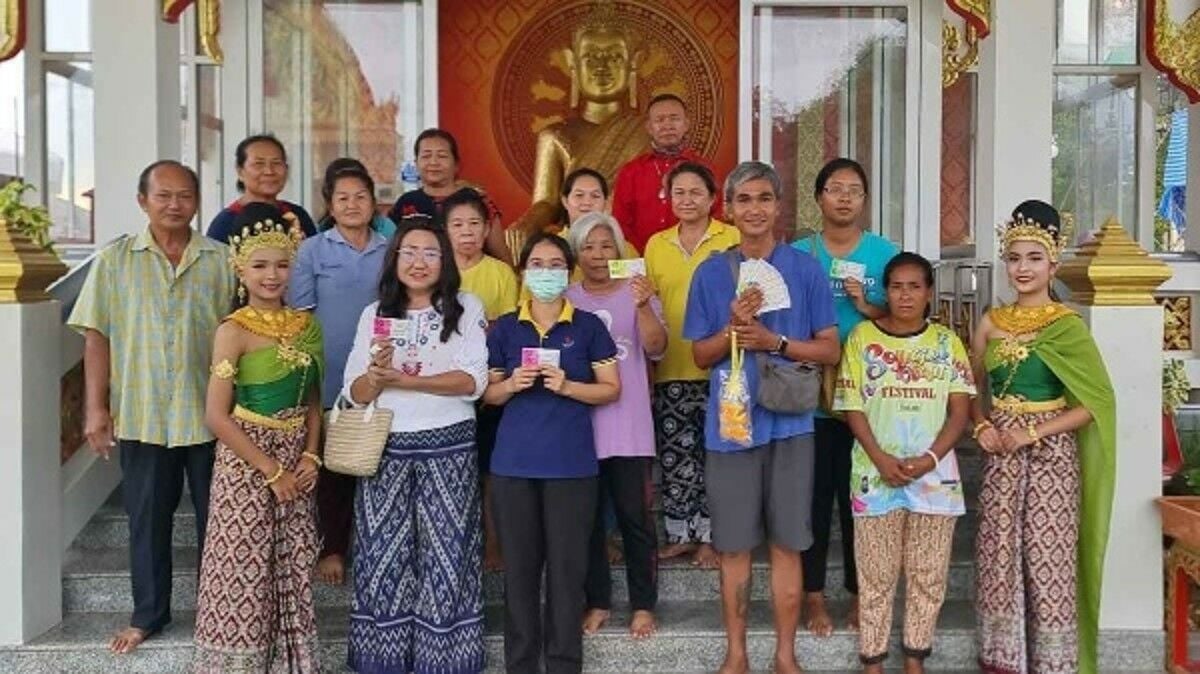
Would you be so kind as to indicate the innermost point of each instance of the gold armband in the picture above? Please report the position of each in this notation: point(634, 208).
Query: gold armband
point(315, 459)
point(224, 370)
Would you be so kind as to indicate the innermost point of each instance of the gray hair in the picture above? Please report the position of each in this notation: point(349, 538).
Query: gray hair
point(579, 230)
point(752, 170)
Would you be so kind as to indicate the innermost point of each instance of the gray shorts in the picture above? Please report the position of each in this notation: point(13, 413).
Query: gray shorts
point(762, 490)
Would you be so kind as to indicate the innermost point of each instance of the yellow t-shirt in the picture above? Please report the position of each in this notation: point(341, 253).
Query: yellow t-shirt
point(670, 269)
point(494, 283)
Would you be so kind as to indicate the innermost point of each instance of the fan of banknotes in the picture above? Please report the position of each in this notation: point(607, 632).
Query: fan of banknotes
point(761, 274)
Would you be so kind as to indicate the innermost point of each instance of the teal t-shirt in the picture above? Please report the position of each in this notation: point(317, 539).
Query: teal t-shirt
point(873, 252)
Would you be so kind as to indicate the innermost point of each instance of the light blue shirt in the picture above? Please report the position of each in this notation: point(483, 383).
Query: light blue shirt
point(337, 282)
point(873, 252)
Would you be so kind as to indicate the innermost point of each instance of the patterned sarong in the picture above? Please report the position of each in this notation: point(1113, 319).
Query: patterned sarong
point(418, 603)
point(1025, 557)
point(255, 608)
point(679, 411)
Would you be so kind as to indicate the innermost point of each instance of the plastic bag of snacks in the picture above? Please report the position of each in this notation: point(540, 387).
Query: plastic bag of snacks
point(734, 403)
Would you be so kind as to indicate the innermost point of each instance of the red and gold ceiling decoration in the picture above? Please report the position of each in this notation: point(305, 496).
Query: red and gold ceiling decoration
point(12, 28)
point(964, 25)
point(208, 13)
point(1173, 42)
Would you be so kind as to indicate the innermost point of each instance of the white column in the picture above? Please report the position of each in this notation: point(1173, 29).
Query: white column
point(137, 106)
point(1016, 100)
point(30, 489)
point(1133, 581)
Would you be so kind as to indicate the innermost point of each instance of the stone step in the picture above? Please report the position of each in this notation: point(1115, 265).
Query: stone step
point(109, 527)
point(98, 580)
point(690, 639)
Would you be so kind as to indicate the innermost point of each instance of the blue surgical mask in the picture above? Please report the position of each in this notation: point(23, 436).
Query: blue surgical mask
point(546, 284)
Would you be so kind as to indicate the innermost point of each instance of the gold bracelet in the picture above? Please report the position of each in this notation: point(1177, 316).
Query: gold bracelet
point(274, 478)
point(1033, 434)
point(315, 459)
point(979, 428)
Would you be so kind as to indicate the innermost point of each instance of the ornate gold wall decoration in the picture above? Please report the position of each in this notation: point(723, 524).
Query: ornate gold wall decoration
point(1113, 270)
point(960, 52)
point(1173, 46)
point(1177, 322)
point(12, 28)
point(976, 13)
point(26, 269)
point(208, 14)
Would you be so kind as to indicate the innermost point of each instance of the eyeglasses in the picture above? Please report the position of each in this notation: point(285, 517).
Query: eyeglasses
point(854, 191)
point(430, 256)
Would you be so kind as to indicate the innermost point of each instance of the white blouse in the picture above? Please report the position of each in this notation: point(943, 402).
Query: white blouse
point(422, 353)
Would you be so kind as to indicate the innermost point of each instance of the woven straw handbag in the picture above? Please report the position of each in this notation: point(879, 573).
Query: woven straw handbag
point(355, 438)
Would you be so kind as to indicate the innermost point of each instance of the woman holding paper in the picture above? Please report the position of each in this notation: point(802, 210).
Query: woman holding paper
point(854, 260)
point(421, 352)
point(618, 292)
point(550, 365)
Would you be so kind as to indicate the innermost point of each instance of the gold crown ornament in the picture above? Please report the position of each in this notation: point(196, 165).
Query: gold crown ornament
point(1021, 228)
point(265, 234)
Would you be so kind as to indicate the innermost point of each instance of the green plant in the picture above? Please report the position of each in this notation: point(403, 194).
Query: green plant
point(32, 221)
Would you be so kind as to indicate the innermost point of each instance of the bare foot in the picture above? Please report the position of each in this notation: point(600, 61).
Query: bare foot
point(127, 640)
point(676, 550)
point(706, 557)
point(643, 625)
point(914, 666)
point(331, 569)
point(818, 621)
point(615, 553)
point(735, 664)
point(852, 617)
point(492, 560)
point(593, 620)
point(876, 668)
point(786, 665)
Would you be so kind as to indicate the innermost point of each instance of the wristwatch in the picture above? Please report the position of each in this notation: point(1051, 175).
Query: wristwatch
point(783, 344)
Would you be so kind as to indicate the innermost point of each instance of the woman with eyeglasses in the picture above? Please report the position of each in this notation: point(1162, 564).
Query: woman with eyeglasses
point(550, 364)
point(854, 260)
point(262, 173)
point(421, 352)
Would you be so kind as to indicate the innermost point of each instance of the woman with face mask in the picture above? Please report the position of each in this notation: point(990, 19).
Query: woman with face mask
point(550, 364)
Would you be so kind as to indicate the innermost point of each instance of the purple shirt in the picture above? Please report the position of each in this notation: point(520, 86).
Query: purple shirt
point(624, 427)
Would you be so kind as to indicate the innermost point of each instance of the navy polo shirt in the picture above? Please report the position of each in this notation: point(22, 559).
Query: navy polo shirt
point(221, 227)
point(542, 434)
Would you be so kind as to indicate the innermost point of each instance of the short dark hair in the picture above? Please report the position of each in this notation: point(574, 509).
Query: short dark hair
point(330, 184)
point(144, 178)
point(463, 197)
point(569, 181)
point(429, 134)
point(697, 169)
point(662, 98)
point(908, 259)
point(533, 241)
point(835, 165)
point(239, 154)
point(393, 296)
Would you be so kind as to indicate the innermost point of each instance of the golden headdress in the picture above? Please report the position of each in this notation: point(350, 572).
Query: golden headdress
point(284, 234)
point(1038, 222)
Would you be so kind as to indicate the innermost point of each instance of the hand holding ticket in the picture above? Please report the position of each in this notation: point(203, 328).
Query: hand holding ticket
point(844, 269)
point(627, 268)
point(394, 329)
point(533, 357)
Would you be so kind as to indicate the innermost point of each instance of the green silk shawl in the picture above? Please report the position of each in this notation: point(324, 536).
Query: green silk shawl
point(1067, 348)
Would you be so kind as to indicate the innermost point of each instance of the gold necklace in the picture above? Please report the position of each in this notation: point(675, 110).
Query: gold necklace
point(1017, 320)
point(281, 324)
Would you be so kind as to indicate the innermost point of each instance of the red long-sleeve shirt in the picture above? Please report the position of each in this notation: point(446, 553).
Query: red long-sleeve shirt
point(641, 202)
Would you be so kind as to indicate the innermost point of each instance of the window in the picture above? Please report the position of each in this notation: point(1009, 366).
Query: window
point(202, 128)
point(12, 117)
point(831, 82)
point(343, 78)
point(67, 184)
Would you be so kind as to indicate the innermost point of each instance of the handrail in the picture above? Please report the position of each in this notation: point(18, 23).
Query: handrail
point(66, 289)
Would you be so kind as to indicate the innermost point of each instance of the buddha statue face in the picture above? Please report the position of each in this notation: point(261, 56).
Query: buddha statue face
point(602, 65)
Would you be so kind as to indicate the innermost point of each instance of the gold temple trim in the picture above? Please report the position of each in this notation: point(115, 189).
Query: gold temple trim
point(1174, 47)
point(26, 269)
point(12, 28)
point(960, 52)
point(1113, 270)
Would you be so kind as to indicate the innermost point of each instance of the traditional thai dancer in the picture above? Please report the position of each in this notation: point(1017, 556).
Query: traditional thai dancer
point(1048, 481)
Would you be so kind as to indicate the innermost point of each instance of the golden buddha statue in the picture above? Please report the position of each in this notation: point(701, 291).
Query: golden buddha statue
point(604, 128)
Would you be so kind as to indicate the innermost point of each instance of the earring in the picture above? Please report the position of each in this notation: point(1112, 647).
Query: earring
point(241, 293)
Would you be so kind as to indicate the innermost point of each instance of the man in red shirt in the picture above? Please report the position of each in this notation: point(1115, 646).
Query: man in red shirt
point(640, 200)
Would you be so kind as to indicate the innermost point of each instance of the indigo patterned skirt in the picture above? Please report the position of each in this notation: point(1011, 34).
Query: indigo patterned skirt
point(418, 601)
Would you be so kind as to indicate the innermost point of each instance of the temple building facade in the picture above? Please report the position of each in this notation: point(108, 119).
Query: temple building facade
point(958, 110)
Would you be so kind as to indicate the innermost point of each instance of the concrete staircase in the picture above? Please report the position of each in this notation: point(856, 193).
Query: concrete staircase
point(96, 595)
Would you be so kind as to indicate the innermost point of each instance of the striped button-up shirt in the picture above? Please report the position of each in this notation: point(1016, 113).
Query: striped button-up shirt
point(159, 321)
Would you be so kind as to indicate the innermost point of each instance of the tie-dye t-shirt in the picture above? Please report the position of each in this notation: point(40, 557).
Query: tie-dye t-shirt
point(903, 384)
